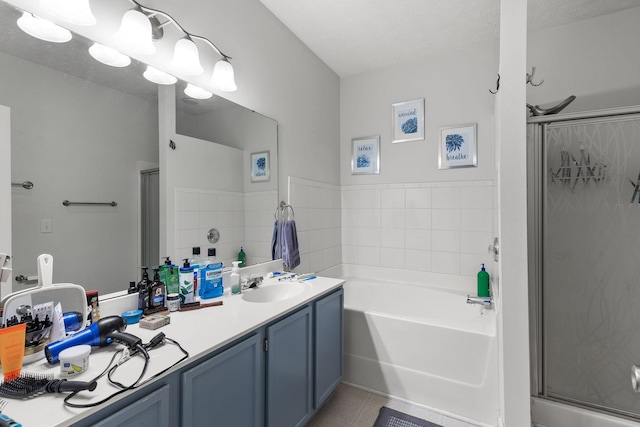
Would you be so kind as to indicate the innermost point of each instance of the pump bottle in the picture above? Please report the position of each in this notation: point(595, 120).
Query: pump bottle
point(234, 278)
point(484, 289)
point(143, 290)
point(186, 282)
point(242, 257)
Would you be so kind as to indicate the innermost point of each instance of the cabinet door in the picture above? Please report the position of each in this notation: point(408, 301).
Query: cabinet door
point(150, 411)
point(226, 390)
point(289, 370)
point(327, 346)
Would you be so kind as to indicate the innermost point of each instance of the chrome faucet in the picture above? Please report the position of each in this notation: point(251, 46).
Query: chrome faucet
point(253, 282)
point(487, 302)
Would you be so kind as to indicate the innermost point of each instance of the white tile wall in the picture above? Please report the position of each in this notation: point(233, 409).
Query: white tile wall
point(317, 209)
point(199, 210)
point(442, 227)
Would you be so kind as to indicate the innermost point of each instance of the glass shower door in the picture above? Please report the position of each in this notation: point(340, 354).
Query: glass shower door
point(591, 262)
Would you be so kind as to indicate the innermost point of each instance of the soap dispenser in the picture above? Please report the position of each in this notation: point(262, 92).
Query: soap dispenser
point(234, 278)
point(169, 274)
point(196, 262)
point(242, 257)
point(156, 293)
point(143, 290)
point(186, 282)
point(484, 288)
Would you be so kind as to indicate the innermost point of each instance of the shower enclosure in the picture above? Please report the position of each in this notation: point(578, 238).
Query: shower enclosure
point(584, 229)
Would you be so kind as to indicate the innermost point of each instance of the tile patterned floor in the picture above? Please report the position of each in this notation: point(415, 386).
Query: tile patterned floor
point(352, 407)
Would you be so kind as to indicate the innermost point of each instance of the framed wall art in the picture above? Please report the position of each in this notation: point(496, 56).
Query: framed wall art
point(365, 155)
point(408, 120)
point(260, 166)
point(458, 146)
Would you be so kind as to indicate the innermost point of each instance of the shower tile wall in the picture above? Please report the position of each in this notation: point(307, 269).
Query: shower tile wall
point(440, 227)
point(199, 210)
point(317, 215)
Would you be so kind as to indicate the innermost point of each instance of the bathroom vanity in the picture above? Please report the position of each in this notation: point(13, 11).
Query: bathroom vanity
point(270, 363)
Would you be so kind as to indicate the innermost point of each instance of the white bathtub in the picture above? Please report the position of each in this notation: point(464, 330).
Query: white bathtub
point(422, 344)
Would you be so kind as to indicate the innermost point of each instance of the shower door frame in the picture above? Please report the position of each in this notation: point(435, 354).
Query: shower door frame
point(536, 134)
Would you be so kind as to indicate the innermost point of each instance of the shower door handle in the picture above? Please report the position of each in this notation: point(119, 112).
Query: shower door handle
point(635, 378)
point(494, 249)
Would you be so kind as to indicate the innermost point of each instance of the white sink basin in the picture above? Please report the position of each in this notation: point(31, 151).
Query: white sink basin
point(273, 292)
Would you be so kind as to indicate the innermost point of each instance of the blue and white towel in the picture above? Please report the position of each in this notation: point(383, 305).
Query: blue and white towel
point(289, 242)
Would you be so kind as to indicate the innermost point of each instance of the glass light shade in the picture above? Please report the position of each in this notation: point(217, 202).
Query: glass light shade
point(76, 12)
point(197, 92)
point(159, 77)
point(43, 29)
point(108, 56)
point(135, 33)
point(186, 59)
point(223, 76)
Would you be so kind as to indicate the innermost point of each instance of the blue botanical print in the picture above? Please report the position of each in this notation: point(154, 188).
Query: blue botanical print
point(363, 161)
point(261, 163)
point(410, 126)
point(454, 142)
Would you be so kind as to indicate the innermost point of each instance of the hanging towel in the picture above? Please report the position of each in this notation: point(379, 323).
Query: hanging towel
point(289, 239)
point(276, 247)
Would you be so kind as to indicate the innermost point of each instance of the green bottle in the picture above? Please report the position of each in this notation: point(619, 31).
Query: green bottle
point(169, 274)
point(241, 257)
point(484, 289)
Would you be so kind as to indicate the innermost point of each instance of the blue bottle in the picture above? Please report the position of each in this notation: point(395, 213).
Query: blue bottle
point(211, 277)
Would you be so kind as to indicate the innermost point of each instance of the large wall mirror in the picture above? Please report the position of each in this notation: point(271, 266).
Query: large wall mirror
point(85, 132)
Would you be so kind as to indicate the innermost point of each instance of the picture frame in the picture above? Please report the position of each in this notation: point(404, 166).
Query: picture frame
point(458, 146)
point(408, 120)
point(365, 155)
point(260, 166)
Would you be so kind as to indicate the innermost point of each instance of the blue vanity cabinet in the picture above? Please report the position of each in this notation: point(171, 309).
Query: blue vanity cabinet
point(328, 346)
point(227, 389)
point(150, 411)
point(289, 369)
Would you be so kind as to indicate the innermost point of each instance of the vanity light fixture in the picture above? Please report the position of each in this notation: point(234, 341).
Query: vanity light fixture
point(76, 12)
point(197, 92)
point(43, 29)
point(223, 76)
point(108, 55)
point(186, 59)
point(135, 33)
point(159, 77)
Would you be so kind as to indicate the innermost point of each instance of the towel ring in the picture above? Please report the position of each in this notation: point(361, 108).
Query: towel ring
point(284, 208)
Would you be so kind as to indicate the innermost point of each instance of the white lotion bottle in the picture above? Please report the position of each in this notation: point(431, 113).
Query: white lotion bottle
point(234, 278)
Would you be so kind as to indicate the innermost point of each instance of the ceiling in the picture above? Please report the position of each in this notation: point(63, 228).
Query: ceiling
point(356, 36)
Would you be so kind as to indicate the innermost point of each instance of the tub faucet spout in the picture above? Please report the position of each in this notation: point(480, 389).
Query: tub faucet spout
point(487, 302)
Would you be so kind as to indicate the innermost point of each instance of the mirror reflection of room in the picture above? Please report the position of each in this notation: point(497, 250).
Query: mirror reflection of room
point(88, 133)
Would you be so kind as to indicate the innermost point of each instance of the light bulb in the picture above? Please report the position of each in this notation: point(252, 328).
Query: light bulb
point(160, 77)
point(135, 33)
point(223, 76)
point(43, 29)
point(108, 56)
point(76, 12)
point(197, 92)
point(186, 59)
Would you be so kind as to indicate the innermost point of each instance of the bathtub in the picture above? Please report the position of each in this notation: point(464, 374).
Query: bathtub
point(422, 344)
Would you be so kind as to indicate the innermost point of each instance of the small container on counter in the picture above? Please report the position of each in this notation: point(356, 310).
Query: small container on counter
point(173, 302)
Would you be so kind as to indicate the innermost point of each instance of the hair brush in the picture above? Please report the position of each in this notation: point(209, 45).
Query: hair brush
point(28, 384)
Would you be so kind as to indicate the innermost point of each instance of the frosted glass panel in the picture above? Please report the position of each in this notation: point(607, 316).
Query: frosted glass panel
point(591, 244)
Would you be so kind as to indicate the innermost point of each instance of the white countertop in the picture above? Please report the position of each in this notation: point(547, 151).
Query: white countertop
point(199, 332)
